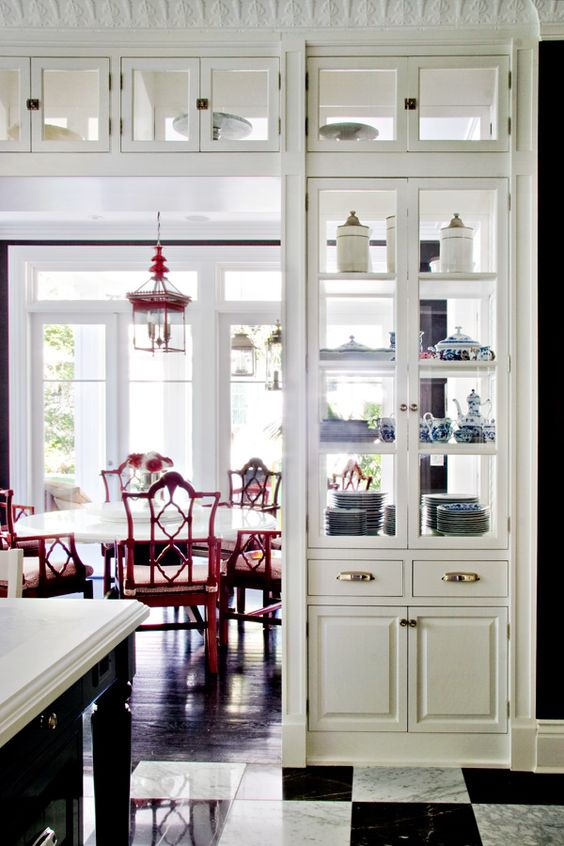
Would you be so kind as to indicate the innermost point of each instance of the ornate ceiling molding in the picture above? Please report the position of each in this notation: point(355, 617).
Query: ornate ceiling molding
point(274, 14)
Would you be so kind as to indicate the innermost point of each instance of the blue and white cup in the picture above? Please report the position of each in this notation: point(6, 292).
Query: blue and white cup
point(485, 354)
point(440, 428)
point(387, 429)
point(464, 435)
point(488, 431)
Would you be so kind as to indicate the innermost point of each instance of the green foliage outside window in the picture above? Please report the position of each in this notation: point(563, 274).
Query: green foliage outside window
point(58, 400)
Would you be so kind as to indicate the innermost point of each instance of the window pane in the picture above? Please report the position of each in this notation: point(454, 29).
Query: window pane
point(356, 101)
point(103, 284)
point(74, 404)
point(258, 285)
point(160, 97)
point(160, 404)
point(240, 105)
point(71, 105)
point(10, 105)
point(458, 104)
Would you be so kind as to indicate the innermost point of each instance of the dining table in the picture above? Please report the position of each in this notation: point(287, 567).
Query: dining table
point(106, 523)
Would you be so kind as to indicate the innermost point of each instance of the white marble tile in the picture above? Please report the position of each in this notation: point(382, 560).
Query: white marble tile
point(261, 781)
point(287, 823)
point(183, 780)
point(525, 825)
point(399, 784)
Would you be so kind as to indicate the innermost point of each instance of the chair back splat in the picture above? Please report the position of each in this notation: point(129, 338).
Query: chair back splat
point(178, 565)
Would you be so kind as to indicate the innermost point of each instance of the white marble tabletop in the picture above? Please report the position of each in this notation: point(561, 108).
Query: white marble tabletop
point(48, 644)
point(106, 522)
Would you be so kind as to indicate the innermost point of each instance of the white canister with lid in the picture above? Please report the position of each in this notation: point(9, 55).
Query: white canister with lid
point(352, 246)
point(457, 243)
point(391, 243)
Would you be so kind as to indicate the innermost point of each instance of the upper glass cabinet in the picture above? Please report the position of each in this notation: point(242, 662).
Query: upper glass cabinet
point(423, 103)
point(213, 105)
point(57, 105)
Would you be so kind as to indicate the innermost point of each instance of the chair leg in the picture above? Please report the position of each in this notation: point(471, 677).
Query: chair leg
point(223, 618)
point(88, 589)
point(240, 600)
point(211, 631)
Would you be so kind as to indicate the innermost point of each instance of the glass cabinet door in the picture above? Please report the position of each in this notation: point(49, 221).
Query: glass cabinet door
point(159, 104)
point(460, 103)
point(354, 104)
point(242, 108)
point(459, 381)
point(14, 117)
point(358, 440)
point(73, 108)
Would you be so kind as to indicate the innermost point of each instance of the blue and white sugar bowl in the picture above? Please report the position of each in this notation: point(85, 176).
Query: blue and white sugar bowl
point(386, 429)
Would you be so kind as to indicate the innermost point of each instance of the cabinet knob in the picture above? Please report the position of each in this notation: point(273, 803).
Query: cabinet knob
point(355, 576)
point(403, 406)
point(32, 104)
point(413, 406)
point(460, 577)
point(49, 722)
point(412, 623)
point(403, 622)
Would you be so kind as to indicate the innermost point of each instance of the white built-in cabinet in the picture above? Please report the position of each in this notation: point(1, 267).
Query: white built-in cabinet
point(448, 103)
point(54, 104)
point(166, 105)
point(205, 104)
point(408, 604)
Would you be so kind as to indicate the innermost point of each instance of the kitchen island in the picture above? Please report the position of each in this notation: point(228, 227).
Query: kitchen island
point(57, 656)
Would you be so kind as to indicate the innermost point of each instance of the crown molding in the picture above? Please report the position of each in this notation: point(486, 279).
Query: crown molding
point(280, 15)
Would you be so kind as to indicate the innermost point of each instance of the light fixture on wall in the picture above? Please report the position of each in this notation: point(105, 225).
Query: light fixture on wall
point(273, 381)
point(243, 354)
point(158, 308)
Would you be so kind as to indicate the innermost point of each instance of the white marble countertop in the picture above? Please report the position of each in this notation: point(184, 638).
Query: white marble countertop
point(48, 644)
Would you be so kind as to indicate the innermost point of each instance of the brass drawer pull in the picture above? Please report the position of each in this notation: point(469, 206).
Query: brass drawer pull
point(355, 576)
point(461, 577)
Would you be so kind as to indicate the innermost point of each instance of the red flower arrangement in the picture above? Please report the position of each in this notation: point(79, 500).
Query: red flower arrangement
point(149, 462)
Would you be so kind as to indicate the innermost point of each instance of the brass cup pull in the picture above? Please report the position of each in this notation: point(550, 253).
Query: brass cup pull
point(355, 576)
point(404, 622)
point(460, 577)
point(412, 623)
point(403, 406)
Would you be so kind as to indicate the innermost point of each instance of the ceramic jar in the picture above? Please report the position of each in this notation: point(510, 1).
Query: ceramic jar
point(386, 429)
point(457, 246)
point(440, 428)
point(352, 246)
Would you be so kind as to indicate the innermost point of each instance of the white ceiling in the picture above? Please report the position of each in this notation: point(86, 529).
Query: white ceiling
point(123, 207)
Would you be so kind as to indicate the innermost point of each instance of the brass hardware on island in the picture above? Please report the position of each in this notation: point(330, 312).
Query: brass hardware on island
point(460, 577)
point(355, 576)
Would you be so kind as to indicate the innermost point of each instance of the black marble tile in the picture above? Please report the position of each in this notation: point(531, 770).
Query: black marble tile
point(505, 787)
point(192, 822)
point(333, 784)
point(413, 824)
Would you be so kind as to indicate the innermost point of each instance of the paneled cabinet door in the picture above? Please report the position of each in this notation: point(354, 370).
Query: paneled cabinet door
point(240, 104)
point(457, 669)
point(431, 103)
point(74, 100)
point(158, 105)
point(14, 116)
point(357, 669)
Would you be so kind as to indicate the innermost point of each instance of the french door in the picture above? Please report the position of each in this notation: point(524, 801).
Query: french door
point(94, 399)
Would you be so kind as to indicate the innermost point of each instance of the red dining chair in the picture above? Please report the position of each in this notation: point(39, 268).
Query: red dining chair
point(351, 478)
point(164, 570)
point(253, 565)
point(130, 475)
point(254, 486)
point(10, 513)
point(57, 570)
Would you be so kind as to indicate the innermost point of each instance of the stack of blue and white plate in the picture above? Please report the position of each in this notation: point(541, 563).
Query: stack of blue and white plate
point(463, 518)
point(372, 502)
point(389, 520)
point(345, 521)
point(432, 501)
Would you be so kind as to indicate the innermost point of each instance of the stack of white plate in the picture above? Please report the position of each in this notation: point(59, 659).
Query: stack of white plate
point(432, 501)
point(463, 518)
point(345, 521)
point(372, 502)
point(389, 520)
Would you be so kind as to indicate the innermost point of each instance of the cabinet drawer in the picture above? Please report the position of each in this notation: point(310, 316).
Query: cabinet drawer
point(355, 578)
point(464, 579)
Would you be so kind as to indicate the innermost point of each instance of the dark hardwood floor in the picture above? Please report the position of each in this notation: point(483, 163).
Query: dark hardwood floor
point(182, 713)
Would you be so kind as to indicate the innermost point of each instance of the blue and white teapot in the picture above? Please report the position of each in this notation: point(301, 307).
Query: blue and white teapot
point(474, 417)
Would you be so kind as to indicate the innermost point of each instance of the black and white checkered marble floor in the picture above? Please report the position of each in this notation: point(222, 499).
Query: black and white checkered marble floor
point(227, 804)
